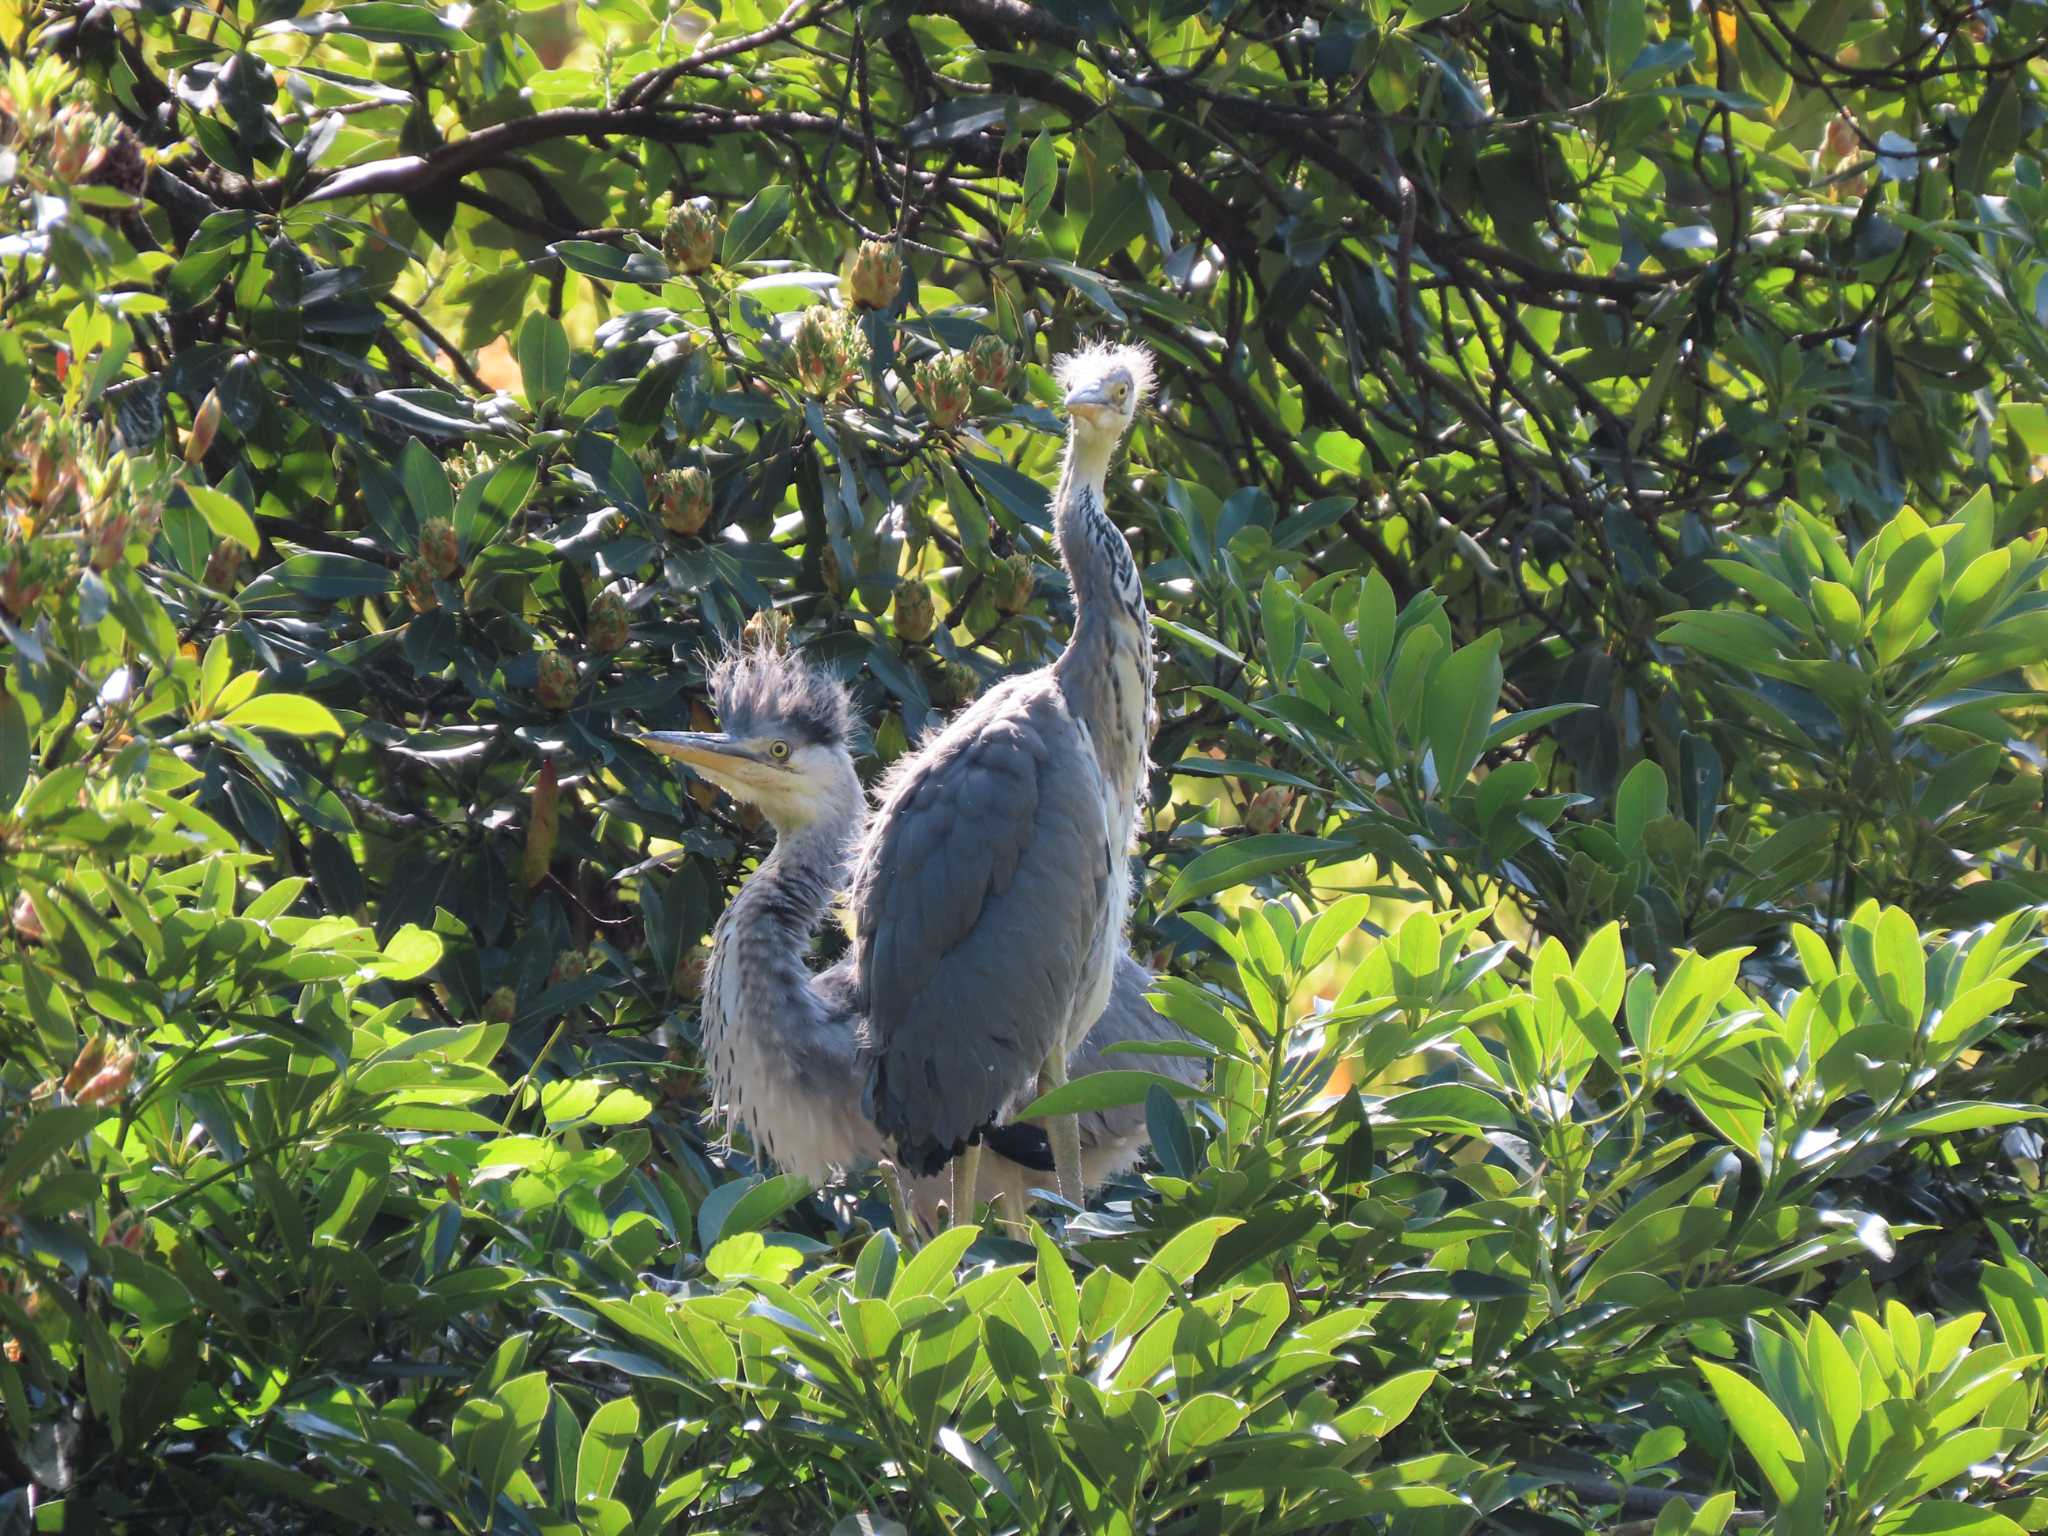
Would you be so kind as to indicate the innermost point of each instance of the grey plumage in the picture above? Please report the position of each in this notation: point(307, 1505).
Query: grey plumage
point(980, 911)
point(782, 1044)
point(991, 891)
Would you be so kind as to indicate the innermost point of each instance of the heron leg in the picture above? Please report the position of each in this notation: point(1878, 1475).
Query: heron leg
point(900, 1204)
point(1017, 1197)
point(966, 1169)
point(1064, 1132)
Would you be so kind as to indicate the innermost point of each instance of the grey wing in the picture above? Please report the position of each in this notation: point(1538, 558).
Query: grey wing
point(985, 879)
point(1129, 1017)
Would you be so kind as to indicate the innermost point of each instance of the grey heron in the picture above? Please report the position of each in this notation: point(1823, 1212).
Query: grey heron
point(990, 892)
point(781, 1042)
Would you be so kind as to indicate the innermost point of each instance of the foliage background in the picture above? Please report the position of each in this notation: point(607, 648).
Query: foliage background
point(1591, 505)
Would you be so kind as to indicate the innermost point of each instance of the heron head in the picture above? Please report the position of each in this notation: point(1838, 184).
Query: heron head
point(1104, 386)
point(787, 742)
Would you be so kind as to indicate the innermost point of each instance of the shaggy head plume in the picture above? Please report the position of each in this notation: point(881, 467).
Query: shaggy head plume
point(1100, 359)
point(759, 690)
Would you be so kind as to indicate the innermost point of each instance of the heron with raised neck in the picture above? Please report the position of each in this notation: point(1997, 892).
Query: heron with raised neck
point(991, 888)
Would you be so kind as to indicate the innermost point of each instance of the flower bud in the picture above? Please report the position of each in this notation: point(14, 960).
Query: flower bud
point(223, 566)
point(501, 1005)
point(205, 424)
point(991, 362)
point(607, 630)
point(91, 1057)
point(688, 981)
point(690, 239)
point(556, 683)
point(827, 349)
point(916, 614)
point(953, 684)
point(26, 921)
point(944, 386)
point(416, 580)
point(765, 629)
point(684, 496)
point(1013, 583)
point(111, 1081)
point(18, 594)
point(439, 548)
point(542, 826)
point(1268, 809)
point(874, 273)
point(110, 541)
point(570, 965)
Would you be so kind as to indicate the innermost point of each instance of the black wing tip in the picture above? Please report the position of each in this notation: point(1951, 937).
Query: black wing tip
point(926, 1155)
point(918, 1151)
point(1023, 1143)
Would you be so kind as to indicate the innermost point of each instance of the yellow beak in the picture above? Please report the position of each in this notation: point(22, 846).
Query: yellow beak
point(699, 749)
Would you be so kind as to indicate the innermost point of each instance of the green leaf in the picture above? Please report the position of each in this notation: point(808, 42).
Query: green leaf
point(1112, 1089)
point(2028, 420)
point(1394, 1399)
point(1764, 1431)
point(1742, 639)
point(1946, 1517)
point(415, 27)
point(746, 1205)
point(755, 224)
point(1644, 797)
point(409, 954)
point(43, 1135)
point(291, 713)
point(1041, 174)
point(1993, 134)
point(1912, 583)
point(1204, 1420)
point(524, 1402)
point(224, 515)
point(15, 749)
point(1455, 1107)
point(426, 482)
point(1945, 1119)
point(489, 502)
point(320, 576)
point(929, 1272)
point(607, 1442)
point(1459, 709)
point(610, 263)
point(1626, 32)
point(15, 380)
point(1242, 860)
point(543, 353)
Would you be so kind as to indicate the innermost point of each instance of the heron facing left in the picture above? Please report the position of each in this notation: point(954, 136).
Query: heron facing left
point(781, 1042)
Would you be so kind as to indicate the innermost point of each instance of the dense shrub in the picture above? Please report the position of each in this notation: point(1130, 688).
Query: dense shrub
point(1591, 522)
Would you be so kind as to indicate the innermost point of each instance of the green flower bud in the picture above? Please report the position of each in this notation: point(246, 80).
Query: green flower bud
point(690, 239)
point(874, 273)
point(916, 614)
point(944, 386)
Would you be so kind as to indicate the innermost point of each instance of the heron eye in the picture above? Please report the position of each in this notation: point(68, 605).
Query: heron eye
point(1123, 393)
point(778, 750)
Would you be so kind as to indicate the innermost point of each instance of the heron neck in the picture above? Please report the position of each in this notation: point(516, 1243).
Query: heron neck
point(789, 894)
point(1092, 548)
point(779, 1051)
point(1106, 669)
